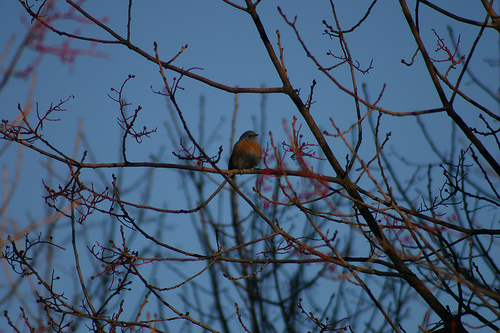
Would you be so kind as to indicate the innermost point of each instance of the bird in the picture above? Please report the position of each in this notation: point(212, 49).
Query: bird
point(247, 152)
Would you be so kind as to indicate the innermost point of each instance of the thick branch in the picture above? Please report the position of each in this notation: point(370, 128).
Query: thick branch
point(446, 104)
point(350, 187)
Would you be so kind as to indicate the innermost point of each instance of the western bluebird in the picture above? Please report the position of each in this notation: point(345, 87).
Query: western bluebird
point(247, 152)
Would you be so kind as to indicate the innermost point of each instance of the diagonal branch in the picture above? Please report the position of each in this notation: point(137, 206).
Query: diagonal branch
point(350, 187)
point(444, 100)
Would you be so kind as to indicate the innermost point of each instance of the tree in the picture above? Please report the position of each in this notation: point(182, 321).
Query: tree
point(370, 214)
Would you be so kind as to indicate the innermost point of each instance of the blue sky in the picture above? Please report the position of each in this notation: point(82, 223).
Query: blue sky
point(223, 43)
